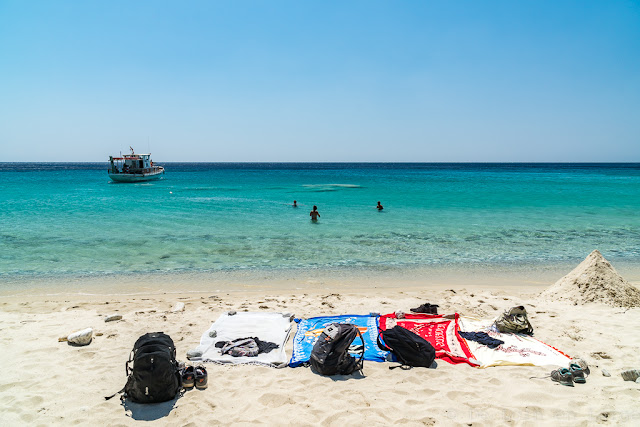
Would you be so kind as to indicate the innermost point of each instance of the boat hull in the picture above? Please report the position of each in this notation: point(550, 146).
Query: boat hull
point(136, 177)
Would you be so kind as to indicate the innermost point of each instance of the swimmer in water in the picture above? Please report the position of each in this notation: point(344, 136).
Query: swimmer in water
point(379, 206)
point(314, 214)
point(295, 204)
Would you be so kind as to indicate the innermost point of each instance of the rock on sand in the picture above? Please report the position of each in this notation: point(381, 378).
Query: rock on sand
point(82, 337)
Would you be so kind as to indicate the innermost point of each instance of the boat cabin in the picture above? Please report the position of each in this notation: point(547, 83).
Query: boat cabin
point(131, 163)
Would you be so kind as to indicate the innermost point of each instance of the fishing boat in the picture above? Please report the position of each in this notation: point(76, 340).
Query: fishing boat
point(134, 168)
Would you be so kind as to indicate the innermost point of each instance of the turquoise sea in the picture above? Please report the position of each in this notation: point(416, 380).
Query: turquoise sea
point(62, 219)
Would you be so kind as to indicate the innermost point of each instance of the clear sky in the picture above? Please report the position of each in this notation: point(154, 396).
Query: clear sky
point(311, 80)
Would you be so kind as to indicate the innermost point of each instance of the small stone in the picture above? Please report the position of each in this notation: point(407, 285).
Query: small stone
point(82, 337)
point(605, 373)
point(232, 312)
point(113, 317)
point(213, 334)
point(178, 307)
point(191, 354)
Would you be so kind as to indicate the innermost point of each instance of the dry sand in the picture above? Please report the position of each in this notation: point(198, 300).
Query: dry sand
point(45, 382)
point(595, 280)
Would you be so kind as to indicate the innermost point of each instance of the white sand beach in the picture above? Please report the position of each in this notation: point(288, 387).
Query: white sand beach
point(46, 382)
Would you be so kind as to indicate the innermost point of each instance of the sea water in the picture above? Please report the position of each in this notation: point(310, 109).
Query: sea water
point(71, 220)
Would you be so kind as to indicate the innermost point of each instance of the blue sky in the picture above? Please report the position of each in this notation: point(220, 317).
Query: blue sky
point(305, 80)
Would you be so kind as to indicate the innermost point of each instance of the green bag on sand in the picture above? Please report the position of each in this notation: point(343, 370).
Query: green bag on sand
point(514, 320)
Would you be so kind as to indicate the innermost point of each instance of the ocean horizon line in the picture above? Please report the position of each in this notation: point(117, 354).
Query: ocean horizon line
point(342, 162)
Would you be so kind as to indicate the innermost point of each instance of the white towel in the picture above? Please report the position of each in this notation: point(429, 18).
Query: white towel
point(517, 349)
point(272, 327)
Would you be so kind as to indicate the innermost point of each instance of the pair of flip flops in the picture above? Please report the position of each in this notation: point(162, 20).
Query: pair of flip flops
point(195, 376)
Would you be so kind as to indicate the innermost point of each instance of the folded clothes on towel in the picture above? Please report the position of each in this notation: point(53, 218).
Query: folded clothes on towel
point(482, 338)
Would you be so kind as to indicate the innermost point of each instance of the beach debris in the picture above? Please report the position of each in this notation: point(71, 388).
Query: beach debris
point(630, 375)
point(113, 317)
point(63, 339)
point(99, 334)
point(178, 307)
point(82, 337)
point(192, 354)
point(213, 334)
point(595, 280)
point(605, 373)
point(232, 312)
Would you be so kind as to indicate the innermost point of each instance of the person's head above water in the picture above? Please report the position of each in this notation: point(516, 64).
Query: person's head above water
point(315, 208)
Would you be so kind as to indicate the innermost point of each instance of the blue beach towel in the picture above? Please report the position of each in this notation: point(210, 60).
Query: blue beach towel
point(310, 329)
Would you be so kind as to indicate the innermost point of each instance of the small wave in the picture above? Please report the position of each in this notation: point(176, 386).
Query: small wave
point(332, 185)
point(329, 187)
point(195, 189)
point(217, 199)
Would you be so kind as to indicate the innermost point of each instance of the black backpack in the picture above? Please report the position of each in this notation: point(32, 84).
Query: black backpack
point(155, 376)
point(409, 348)
point(330, 354)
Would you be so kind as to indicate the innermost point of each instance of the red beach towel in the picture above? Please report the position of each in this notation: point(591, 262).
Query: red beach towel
point(441, 332)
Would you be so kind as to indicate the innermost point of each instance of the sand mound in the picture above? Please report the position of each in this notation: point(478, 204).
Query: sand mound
point(595, 280)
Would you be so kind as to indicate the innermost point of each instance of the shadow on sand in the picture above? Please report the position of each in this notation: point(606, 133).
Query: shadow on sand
point(148, 411)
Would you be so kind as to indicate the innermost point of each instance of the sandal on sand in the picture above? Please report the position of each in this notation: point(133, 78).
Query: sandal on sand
point(582, 364)
point(201, 377)
point(188, 377)
point(562, 376)
point(630, 375)
point(426, 308)
point(577, 373)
